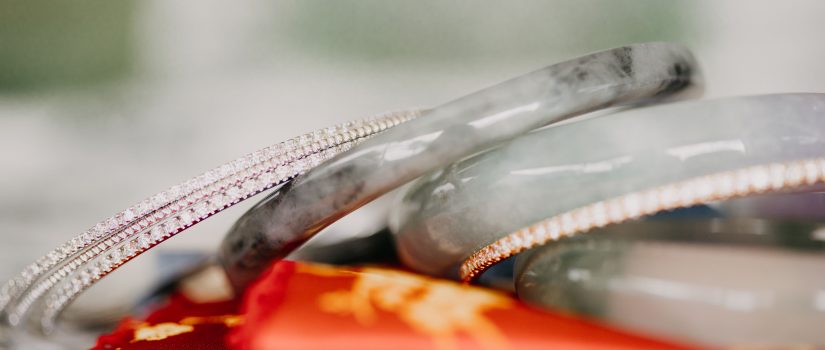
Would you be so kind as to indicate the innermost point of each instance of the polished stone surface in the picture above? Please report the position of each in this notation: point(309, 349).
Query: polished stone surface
point(450, 213)
point(445, 134)
point(718, 282)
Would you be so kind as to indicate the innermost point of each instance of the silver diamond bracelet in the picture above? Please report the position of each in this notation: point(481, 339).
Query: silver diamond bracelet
point(47, 286)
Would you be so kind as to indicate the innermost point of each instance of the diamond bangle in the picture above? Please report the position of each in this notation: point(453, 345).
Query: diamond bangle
point(53, 281)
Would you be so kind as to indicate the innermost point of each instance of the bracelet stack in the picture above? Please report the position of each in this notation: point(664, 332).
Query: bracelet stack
point(513, 176)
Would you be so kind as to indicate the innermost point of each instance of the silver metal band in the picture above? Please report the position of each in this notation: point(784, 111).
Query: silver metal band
point(48, 285)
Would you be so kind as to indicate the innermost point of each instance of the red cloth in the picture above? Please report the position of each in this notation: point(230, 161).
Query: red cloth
point(180, 325)
point(307, 306)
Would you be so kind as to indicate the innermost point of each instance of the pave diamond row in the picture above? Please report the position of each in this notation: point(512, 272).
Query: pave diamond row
point(721, 186)
point(80, 262)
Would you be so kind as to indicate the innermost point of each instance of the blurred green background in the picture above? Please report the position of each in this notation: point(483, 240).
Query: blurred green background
point(49, 44)
point(65, 45)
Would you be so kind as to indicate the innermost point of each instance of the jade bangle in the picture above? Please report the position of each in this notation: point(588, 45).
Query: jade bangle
point(571, 178)
point(285, 220)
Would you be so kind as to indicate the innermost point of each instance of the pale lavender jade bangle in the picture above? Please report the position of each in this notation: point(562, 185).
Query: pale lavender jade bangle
point(609, 170)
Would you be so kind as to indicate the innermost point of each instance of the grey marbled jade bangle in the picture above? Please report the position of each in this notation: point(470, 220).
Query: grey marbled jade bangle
point(286, 219)
point(614, 168)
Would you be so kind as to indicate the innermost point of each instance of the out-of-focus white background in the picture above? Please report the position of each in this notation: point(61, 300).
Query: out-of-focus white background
point(103, 103)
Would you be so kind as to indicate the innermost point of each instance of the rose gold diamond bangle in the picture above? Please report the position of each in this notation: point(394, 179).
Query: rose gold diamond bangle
point(774, 177)
point(54, 280)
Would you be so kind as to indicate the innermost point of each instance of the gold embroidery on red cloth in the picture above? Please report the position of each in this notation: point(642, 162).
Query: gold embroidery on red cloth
point(160, 331)
point(228, 320)
point(427, 305)
point(165, 330)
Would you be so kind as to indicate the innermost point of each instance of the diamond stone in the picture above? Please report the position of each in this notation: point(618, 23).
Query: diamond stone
point(144, 241)
point(157, 233)
point(201, 209)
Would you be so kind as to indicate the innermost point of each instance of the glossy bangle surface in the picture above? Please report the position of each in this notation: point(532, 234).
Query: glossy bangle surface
point(575, 177)
point(445, 134)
